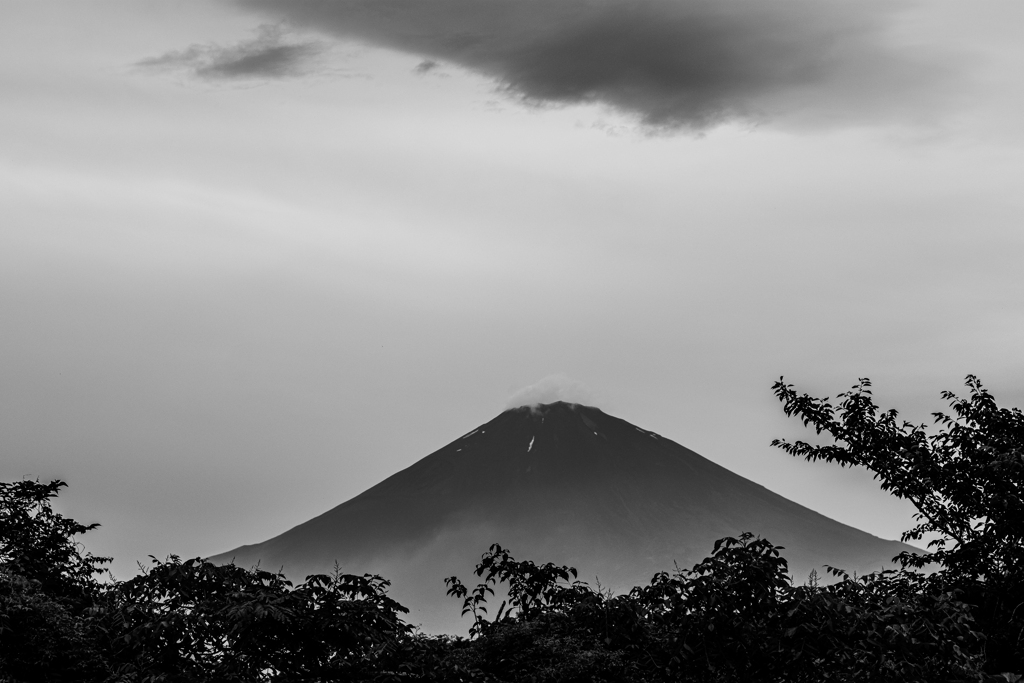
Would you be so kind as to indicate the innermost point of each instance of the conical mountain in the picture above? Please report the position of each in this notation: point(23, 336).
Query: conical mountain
point(563, 483)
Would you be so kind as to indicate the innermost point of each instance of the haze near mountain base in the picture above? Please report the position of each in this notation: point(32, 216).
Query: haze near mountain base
point(557, 482)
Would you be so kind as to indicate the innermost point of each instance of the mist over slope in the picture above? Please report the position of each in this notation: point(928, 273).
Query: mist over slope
point(559, 482)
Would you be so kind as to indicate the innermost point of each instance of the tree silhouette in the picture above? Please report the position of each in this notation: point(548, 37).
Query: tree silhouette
point(966, 479)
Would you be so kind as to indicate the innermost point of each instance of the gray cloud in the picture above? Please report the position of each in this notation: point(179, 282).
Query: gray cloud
point(426, 66)
point(265, 56)
point(673, 63)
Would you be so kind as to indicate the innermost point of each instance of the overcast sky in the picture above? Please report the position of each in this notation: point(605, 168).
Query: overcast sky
point(256, 256)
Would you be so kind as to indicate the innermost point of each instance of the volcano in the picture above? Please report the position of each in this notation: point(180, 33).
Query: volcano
point(563, 483)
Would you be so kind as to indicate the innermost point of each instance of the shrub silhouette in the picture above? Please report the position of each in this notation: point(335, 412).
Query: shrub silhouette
point(966, 480)
point(733, 617)
point(49, 595)
point(195, 621)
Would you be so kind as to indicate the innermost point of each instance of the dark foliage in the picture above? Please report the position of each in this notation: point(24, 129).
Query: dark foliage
point(735, 617)
point(49, 593)
point(532, 589)
point(195, 621)
point(966, 479)
point(39, 544)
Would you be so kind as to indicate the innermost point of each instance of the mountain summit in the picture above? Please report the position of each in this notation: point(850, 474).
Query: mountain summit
point(558, 482)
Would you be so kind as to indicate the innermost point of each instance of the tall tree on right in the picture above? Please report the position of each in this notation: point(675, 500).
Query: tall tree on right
point(965, 476)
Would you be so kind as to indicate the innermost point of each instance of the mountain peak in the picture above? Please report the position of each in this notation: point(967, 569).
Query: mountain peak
point(553, 407)
point(561, 482)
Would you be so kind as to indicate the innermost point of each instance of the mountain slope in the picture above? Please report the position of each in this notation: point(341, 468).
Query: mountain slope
point(562, 483)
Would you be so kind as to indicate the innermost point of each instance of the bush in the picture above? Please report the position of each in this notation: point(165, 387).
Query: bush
point(49, 595)
point(966, 480)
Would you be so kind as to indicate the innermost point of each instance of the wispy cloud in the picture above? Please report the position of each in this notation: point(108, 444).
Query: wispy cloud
point(426, 66)
point(265, 56)
point(673, 63)
point(557, 387)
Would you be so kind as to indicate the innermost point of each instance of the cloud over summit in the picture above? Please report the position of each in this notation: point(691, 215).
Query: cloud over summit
point(672, 63)
point(551, 389)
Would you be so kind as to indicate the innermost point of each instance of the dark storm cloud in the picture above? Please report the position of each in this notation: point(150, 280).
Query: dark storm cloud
point(265, 56)
point(675, 63)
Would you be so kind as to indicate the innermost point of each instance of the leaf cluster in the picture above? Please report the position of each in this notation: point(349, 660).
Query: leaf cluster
point(532, 589)
point(965, 477)
point(737, 617)
point(195, 621)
